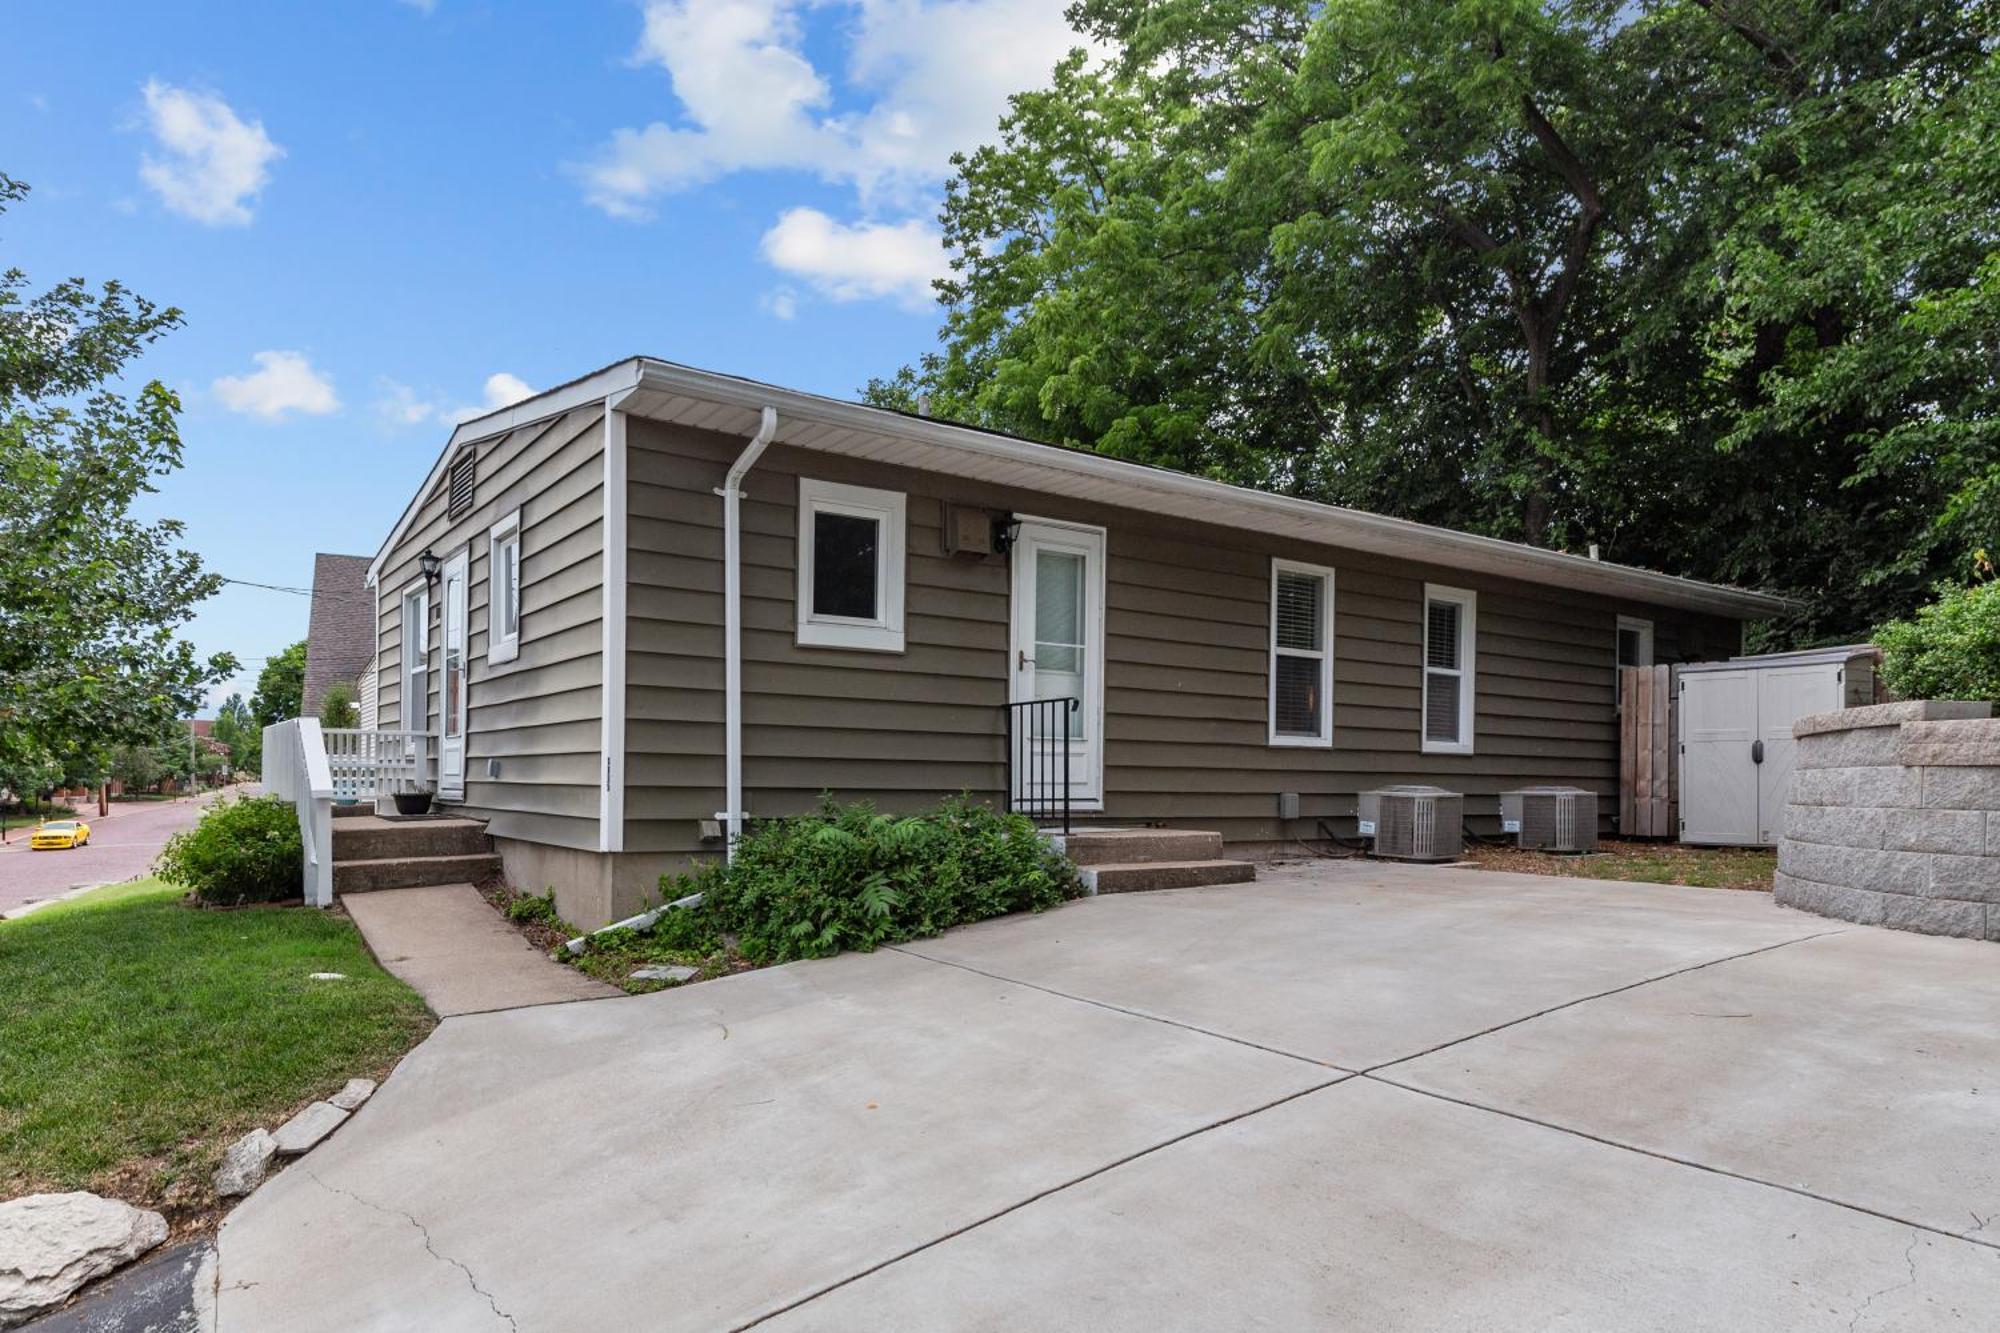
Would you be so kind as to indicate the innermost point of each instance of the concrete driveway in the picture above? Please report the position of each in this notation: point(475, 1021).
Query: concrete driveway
point(1346, 1096)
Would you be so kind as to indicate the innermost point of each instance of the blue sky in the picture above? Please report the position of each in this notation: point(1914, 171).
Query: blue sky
point(380, 215)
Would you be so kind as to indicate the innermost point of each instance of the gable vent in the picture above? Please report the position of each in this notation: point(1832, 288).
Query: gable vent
point(460, 485)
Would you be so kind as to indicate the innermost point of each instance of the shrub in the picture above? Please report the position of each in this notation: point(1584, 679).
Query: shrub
point(338, 709)
point(245, 851)
point(1949, 650)
point(849, 878)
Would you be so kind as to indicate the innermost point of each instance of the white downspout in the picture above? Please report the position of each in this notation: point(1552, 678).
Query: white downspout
point(732, 626)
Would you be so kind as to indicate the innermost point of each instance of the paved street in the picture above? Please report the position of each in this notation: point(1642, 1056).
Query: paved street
point(122, 845)
point(1344, 1097)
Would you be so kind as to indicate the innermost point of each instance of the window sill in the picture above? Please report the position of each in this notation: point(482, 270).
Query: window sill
point(1302, 742)
point(504, 653)
point(857, 638)
point(1448, 747)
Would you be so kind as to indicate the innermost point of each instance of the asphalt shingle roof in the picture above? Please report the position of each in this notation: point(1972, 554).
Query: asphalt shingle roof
point(340, 638)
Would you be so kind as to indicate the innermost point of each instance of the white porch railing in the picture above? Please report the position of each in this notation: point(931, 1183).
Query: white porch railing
point(295, 769)
point(375, 765)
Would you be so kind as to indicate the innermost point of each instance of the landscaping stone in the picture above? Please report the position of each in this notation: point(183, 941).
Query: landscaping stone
point(244, 1165)
point(665, 972)
point(304, 1131)
point(357, 1091)
point(51, 1244)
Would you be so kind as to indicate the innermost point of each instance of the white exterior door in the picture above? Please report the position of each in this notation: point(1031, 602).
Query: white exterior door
point(1718, 774)
point(1784, 695)
point(1057, 652)
point(451, 699)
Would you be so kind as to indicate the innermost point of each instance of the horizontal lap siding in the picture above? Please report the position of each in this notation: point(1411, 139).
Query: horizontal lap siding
point(540, 714)
point(899, 728)
point(1187, 644)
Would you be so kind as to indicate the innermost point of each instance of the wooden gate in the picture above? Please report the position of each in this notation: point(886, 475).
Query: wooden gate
point(1648, 802)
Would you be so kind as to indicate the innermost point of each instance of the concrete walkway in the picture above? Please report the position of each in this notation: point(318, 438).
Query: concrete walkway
point(1344, 1097)
point(459, 954)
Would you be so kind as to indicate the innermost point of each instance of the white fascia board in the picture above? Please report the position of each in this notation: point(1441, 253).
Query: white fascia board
point(616, 379)
point(1235, 506)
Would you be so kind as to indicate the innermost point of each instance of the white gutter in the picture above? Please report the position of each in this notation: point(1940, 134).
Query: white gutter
point(1238, 506)
point(611, 741)
point(732, 625)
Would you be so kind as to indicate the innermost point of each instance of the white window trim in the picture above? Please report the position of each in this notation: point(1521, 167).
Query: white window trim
point(1468, 639)
point(422, 722)
point(884, 633)
point(1324, 738)
point(502, 647)
point(1644, 628)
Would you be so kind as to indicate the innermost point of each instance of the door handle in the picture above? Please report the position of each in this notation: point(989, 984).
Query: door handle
point(1756, 752)
point(1026, 661)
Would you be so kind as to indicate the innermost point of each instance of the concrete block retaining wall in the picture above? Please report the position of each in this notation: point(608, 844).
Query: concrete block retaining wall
point(1894, 818)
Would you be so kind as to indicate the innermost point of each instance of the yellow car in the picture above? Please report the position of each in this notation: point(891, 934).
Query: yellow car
point(59, 835)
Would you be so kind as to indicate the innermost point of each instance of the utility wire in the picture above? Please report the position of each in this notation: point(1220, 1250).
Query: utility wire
point(270, 587)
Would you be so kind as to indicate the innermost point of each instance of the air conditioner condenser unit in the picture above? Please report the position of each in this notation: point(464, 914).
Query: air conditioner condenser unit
point(1550, 819)
point(1414, 823)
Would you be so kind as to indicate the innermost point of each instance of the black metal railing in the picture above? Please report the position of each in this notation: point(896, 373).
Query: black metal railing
point(1038, 748)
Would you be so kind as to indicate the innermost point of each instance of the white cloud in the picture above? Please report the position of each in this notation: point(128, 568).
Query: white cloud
point(504, 390)
point(402, 405)
point(284, 382)
point(922, 79)
point(860, 261)
point(213, 165)
point(781, 303)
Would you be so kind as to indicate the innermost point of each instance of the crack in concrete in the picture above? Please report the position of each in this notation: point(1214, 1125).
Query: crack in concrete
point(1121, 1009)
point(429, 1248)
point(1658, 1155)
point(1603, 995)
point(1036, 1197)
point(1910, 1260)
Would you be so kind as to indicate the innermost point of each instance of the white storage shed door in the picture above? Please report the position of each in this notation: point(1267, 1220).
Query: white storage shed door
point(1784, 695)
point(1737, 749)
point(1718, 776)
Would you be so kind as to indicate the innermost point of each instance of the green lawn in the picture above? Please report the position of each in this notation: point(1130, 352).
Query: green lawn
point(1645, 862)
point(139, 1037)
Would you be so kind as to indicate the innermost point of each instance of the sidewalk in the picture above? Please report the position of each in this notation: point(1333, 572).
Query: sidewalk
point(458, 953)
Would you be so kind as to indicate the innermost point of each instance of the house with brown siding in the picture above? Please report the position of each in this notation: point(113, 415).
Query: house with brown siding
point(641, 607)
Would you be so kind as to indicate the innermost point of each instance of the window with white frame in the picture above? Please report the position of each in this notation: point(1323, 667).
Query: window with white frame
point(1451, 627)
point(1635, 642)
point(850, 566)
point(414, 708)
point(503, 589)
point(1301, 654)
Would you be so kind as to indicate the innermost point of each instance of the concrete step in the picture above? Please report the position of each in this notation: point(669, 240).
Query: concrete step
point(1092, 847)
point(376, 839)
point(402, 872)
point(359, 810)
point(1141, 876)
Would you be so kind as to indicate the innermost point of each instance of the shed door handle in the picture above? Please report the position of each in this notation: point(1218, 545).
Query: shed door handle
point(1756, 752)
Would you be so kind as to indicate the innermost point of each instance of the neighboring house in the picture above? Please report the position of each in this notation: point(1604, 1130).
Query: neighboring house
point(340, 638)
point(903, 579)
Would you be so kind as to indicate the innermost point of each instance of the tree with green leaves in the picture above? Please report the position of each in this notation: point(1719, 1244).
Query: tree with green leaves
point(1711, 287)
point(91, 597)
point(237, 729)
point(281, 687)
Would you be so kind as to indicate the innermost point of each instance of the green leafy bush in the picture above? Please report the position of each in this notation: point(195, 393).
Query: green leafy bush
point(338, 709)
point(245, 851)
point(1949, 650)
point(849, 878)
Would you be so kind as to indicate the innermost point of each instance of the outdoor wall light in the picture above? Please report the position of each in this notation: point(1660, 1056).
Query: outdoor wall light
point(429, 565)
point(1006, 527)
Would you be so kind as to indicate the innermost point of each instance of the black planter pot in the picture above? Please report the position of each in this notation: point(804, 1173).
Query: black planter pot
point(413, 802)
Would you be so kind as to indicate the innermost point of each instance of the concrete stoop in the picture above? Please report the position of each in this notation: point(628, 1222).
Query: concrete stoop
point(1137, 860)
point(371, 853)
